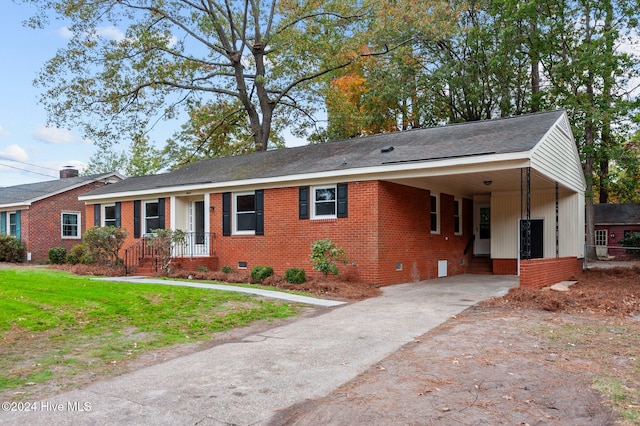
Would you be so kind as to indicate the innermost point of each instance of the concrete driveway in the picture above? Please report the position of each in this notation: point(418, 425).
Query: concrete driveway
point(245, 382)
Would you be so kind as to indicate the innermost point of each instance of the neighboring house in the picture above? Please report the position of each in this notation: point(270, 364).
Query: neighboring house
point(612, 223)
point(48, 214)
point(404, 206)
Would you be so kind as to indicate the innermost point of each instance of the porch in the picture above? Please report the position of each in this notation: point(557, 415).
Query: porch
point(193, 252)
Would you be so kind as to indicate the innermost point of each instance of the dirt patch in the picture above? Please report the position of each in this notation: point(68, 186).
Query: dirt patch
point(531, 357)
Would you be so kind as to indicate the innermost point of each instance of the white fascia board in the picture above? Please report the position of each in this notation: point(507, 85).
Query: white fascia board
point(427, 168)
point(15, 206)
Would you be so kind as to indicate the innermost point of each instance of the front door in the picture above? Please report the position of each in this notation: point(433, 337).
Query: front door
point(483, 230)
point(197, 238)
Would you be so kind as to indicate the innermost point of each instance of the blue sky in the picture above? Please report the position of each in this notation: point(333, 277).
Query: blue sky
point(26, 142)
point(29, 150)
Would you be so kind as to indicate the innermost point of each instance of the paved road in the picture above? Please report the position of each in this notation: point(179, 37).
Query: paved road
point(246, 381)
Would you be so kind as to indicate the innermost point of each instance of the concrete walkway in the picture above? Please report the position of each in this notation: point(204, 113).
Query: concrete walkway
point(237, 289)
point(246, 381)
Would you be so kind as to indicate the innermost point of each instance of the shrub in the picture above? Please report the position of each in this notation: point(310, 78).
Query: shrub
point(11, 249)
point(295, 275)
point(72, 259)
point(202, 269)
point(259, 273)
point(104, 243)
point(632, 241)
point(325, 255)
point(227, 269)
point(57, 255)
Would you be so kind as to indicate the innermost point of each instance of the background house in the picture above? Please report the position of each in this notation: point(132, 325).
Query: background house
point(507, 194)
point(613, 222)
point(48, 214)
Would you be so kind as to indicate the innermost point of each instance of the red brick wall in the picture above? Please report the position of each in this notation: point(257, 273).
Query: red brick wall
point(536, 273)
point(41, 227)
point(505, 266)
point(388, 224)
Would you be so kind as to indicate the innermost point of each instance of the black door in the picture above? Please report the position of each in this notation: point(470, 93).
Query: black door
point(537, 239)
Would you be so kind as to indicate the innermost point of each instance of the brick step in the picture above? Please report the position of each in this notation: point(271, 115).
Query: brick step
point(481, 266)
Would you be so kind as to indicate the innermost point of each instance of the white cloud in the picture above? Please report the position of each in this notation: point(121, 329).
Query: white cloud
point(108, 32)
point(14, 152)
point(3, 132)
point(56, 136)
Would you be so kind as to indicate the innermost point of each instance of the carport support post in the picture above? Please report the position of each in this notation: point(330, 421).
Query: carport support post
point(525, 225)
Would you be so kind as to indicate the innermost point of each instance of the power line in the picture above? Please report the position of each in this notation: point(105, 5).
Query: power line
point(28, 164)
point(28, 171)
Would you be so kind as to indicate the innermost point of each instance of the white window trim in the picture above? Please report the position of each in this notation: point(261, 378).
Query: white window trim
point(437, 196)
point(313, 202)
point(600, 235)
point(8, 222)
point(459, 202)
point(67, 237)
point(103, 214)
point(234, 212)
point(145, 231)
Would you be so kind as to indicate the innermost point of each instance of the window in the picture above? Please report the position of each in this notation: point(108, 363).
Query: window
point(435, 219)
point(244, 207)
point(601, 237)
point(457, 217)
point(151, 217)
point(13, 223)
point(324, 201)
point(109, 215)
point(70, 225)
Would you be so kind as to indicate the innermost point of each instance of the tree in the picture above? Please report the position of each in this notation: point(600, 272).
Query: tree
point(260, 56)
point(143, 159)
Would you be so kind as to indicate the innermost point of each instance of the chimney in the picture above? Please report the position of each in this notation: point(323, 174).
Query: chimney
point(68, 172)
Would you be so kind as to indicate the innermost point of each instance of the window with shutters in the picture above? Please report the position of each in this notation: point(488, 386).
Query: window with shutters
point(12, 227)
point(324, 202)
point(71, 225)
point(151, 217)
point(109, 215)
point(244, 208)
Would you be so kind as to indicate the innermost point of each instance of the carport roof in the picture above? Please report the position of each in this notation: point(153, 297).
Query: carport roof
point(464, 140)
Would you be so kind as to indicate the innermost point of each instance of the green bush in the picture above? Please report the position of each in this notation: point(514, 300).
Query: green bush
point(104, 243)
point(325, 255)
point(632, 241)
point(226, 269)
point(72, 259)
point(295, 275)
point(259, 273)
point(202, 269)
point(57, 255)
point(11, 249)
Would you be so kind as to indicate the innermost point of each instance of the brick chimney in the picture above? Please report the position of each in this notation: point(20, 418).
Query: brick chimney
point(68, 172)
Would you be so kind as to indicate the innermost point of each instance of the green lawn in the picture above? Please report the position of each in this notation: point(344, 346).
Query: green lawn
point(55, 326)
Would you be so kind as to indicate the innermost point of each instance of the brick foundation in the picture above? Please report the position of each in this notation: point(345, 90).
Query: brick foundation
point(536, 273)
point(505, 266)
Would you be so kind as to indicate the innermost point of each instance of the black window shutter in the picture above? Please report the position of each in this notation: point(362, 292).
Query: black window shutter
point(259, 212)
point(342, 200)
point(118, 214)
point(96, 215)
point(303, 202)
point(161, 213)
point(136, 218)
point(226, 214)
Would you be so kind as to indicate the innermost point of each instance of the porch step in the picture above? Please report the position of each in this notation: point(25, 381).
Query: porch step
point(480, 265)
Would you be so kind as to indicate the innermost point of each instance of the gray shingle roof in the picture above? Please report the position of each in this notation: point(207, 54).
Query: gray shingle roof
point(34, 191)
point(623, 214)
point(507, 135)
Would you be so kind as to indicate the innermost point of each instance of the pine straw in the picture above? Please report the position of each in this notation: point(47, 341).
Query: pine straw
point(611, 292)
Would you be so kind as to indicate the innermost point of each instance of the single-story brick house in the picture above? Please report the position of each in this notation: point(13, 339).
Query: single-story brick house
point(612, 223)
point(405, 206)
point(48, 214)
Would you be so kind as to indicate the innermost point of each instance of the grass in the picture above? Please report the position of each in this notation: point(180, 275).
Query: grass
point(613, 346)
point(55, 326)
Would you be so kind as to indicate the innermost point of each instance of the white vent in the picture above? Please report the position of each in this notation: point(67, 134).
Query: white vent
point(442, 268)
